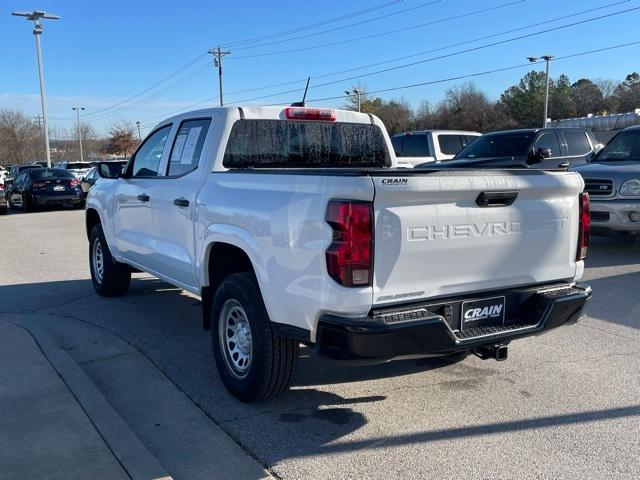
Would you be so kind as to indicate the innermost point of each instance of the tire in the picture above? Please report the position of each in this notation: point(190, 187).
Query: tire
point(3, 210)
point(271, 358)
point(109, 278)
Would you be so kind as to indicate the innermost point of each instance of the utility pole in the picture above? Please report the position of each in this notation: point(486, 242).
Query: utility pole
point(77, 109)
point(35, 17)
point(138, 125)
point(547, 59)
point(358, 93)
point(217, 62)
point(38, 119)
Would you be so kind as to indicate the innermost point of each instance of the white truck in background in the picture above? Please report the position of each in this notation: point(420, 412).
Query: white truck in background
point(294, 226)
point(425, 146)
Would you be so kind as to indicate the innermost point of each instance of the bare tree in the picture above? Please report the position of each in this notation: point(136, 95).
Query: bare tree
point(20, 138)
point(122, 140)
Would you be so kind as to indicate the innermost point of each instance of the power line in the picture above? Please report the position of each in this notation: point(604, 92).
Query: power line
point(428, 51)
point(342, 27)
point(460, 77)
point(313, 25)
point(380, 34)
point(478, 74)
point(448, 55)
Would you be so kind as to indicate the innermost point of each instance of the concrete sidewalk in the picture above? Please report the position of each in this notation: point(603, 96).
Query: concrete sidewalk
point(44, 433)
point(145, 426)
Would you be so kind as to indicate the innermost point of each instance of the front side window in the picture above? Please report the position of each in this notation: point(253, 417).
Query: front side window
point(304, 144)
point(549, 140)
point(147, 158)
point(577, 143)
point(187, 147)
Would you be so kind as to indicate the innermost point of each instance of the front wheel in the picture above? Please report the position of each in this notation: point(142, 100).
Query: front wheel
point(110, 278)
point(254, 363)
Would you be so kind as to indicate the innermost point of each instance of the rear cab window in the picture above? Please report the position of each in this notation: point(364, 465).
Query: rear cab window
point(261, 143)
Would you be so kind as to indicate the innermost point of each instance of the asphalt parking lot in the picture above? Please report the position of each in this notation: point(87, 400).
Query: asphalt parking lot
point(564, 405)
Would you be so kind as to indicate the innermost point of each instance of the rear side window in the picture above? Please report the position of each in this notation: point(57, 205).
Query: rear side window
point(415, 146)
point(450, 144)
point(304, 144)
point(577, 143)
point(187, 147)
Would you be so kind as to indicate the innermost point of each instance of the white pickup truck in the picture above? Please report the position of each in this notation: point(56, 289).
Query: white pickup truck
point(293, 226)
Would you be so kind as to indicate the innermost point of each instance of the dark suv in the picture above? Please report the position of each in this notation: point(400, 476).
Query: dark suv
point(535, 148)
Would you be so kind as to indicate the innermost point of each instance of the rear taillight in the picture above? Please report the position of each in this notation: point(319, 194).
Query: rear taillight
point(74, 182)
point(584, 226)
point(350, 255)
point(300, 113)
point(1, 186)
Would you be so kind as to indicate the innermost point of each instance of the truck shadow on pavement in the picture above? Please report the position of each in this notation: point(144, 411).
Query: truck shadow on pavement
point(164, 323)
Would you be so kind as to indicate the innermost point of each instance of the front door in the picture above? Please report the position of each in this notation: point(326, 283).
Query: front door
point(133, 222)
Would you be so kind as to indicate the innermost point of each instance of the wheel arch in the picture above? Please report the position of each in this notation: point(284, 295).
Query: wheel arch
point(221, 260)
point(92, 218)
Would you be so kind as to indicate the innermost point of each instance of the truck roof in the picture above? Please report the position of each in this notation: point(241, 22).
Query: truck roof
point(268, 113)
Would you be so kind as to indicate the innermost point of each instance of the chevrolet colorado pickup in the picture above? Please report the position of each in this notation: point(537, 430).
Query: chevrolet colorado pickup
point(294, 226)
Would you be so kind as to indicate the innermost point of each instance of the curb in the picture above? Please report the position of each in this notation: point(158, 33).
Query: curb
point(125, 445)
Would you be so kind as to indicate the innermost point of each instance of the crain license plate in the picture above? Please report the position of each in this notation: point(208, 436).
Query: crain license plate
point(483, 313)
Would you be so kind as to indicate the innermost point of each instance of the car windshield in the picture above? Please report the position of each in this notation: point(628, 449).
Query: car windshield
point(624, 147)
point(498, 145)
point(47, 173)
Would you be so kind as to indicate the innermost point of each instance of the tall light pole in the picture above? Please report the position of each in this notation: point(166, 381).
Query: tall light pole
point(35, 16)
point(358, 93)
point(217, 62)
point(139, 136)
point(77, 109)
point(547, 59)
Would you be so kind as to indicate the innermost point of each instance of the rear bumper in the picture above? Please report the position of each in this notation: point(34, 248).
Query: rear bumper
point(390, 333)
point(614, 215)
point(44, 200)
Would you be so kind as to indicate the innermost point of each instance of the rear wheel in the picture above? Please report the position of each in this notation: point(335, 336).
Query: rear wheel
point(3, 210)
point(27, 206)
point(110, 278)
point(254, 363)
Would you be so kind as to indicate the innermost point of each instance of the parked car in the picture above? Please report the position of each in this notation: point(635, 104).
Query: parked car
point(14, 171)
point(3, 200)
point(423, 146)
point(79, 169)
point(293, 226)
point(536, 147)
point(3, 174)
point(612, 179)
point(40, 187)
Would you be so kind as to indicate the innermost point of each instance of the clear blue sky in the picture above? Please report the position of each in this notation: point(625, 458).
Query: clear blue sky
point(102, 53)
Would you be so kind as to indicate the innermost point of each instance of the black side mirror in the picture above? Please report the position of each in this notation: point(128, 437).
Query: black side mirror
point(109, 170)
point(537, 155)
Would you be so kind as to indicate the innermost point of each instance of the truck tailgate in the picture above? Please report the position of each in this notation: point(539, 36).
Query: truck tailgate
point(432, 238)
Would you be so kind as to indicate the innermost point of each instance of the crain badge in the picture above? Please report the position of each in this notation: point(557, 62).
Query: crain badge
point(489, 311)
point(395, 181)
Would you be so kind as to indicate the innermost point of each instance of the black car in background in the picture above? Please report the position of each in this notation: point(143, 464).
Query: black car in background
point(534, 147)
point(40, 187)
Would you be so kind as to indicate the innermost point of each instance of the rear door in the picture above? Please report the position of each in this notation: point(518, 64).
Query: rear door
point(549, 141)
point(578, 145)
point(432, 238)
point(174, 203)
